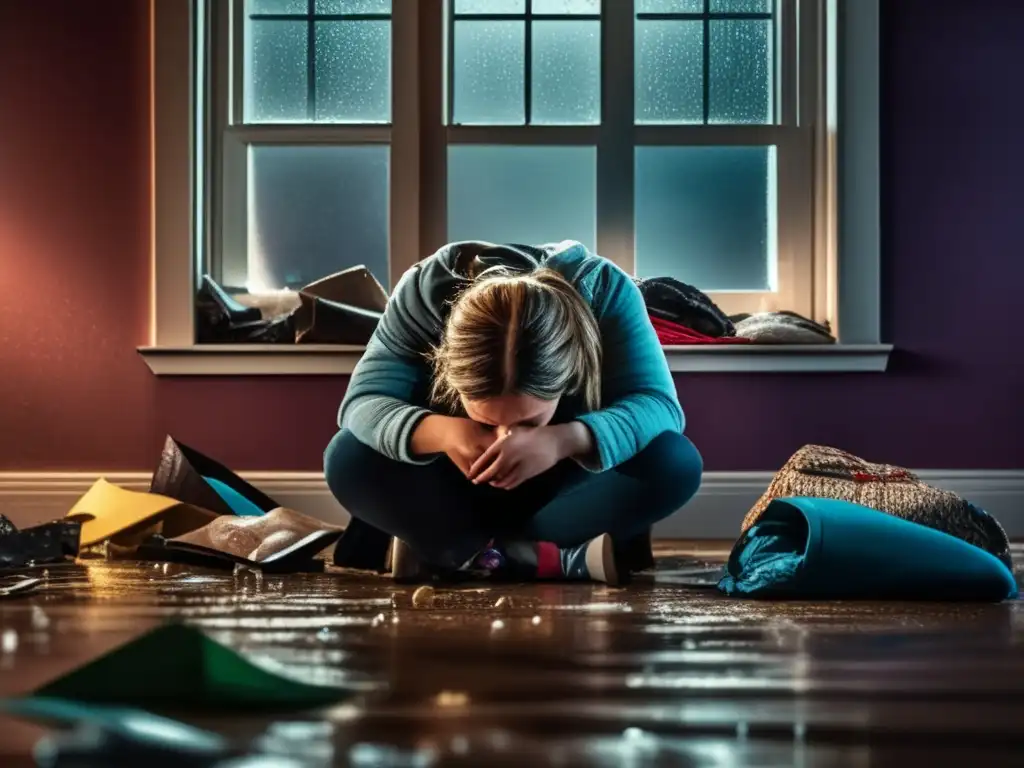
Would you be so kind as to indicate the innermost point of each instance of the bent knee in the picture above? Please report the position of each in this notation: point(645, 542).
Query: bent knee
point(671, 468)
point(348, 464)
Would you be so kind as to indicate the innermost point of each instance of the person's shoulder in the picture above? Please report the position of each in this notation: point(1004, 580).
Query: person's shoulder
point(601, 282)
point(592, 275)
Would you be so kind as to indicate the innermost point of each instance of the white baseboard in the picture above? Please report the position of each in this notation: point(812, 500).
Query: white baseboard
point(28, 498)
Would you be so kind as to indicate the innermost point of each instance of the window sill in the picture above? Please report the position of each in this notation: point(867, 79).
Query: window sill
point(328, 360)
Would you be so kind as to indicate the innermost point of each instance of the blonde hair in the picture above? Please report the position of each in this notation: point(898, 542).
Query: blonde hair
point(528, 334)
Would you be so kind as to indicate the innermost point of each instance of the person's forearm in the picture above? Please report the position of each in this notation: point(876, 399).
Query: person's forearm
point(575, 440)
point(428, 437)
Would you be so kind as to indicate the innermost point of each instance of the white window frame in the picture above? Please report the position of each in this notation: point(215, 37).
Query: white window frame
point(828, 229)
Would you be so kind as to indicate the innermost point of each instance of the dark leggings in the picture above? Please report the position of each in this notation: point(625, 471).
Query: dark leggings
point(446, 519)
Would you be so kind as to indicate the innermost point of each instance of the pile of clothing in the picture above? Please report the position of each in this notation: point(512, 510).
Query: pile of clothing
point(344, 308)
point(682, 314)
point(834, 526)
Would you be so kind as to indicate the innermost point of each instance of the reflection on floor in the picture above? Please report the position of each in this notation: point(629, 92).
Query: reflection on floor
point(660, 673)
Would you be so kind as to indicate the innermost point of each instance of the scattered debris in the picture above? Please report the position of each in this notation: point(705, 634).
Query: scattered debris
point(504, 603)
point(423, 597)
point(20, 587)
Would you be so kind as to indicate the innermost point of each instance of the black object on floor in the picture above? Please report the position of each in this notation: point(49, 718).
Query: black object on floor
point(40, 545)
point(362, 547)
point(181, 475)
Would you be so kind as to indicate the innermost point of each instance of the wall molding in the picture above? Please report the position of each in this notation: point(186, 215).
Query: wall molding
point(28, 498)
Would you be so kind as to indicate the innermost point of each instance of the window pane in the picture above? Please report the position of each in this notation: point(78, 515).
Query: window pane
point(706, 215)
point(314, 211)
point(566, 72)
point(669, 71)
point(276, 6)
point(528, 195)
point(741, 6)
point(490, 6)
point(489, 72)
point(353, 71)
point(275, 82)
point(592, 7)
point(740, 89)
point(670, 6)
point(353, 6)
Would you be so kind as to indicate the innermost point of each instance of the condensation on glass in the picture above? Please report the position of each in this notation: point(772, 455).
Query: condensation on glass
point(519, 194)
point(704, 62)
point(508, 69)
point(315, 210)
point(706, 216)
point(328, 61)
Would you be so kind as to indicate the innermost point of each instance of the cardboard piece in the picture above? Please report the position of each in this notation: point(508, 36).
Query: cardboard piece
point(355, 287)
point(176, 666)
point(109, 512)
point(321, 321)
point(182, 472)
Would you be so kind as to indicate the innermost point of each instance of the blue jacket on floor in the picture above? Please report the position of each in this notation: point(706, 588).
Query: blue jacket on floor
point(390, 387)
point(826, 549)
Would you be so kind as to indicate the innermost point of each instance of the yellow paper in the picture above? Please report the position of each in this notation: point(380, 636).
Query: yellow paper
point(107, 509)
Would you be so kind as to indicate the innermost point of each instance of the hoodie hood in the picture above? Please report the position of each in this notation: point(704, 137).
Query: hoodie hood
point(418, 309)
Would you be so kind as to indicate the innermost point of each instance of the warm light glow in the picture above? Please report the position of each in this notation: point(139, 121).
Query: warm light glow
point(452, 699)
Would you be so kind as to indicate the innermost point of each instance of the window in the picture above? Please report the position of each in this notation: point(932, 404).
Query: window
point(689, 138)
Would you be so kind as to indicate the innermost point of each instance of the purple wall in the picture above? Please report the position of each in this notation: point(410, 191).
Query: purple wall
point(74, 268)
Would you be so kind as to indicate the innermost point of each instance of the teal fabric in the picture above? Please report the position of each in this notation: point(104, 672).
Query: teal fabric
point(389, 390)
point(825, 549)
point(240, 505)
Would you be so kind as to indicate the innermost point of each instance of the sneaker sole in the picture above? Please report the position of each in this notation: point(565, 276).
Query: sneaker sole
point(601, 560)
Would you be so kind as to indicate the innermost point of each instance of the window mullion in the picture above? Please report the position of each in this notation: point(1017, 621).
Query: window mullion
point(311, 61)
point(786, 71)
point(404, 214)
point(615, 165)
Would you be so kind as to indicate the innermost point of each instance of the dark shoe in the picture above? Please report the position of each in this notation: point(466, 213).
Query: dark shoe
point(636, 554)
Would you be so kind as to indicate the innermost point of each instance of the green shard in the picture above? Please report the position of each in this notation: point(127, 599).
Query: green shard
point(177, 666)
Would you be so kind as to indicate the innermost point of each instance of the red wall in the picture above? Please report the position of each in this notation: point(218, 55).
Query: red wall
point(75, 271)
point(75, 266)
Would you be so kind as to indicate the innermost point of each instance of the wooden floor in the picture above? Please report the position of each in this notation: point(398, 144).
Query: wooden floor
point(659, 673)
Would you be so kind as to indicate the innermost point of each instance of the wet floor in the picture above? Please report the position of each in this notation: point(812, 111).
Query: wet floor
point(659, 673)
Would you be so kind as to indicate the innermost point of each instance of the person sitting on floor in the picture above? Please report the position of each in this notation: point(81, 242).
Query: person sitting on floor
point(513, 414)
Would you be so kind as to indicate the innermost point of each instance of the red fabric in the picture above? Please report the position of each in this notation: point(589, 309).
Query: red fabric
point(670, 334)
point(868, 477)
point(549, 563)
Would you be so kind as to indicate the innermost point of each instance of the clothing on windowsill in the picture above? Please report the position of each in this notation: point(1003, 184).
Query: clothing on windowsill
point(677, 302)
point(829, 549)
point(822, 472)
point(672, 334)
point(781, 328)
